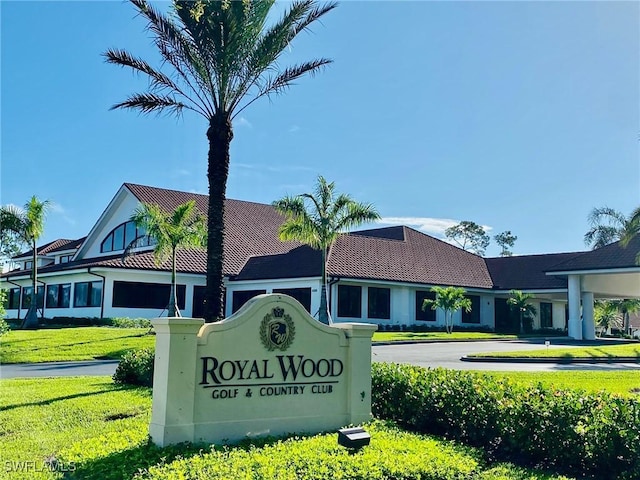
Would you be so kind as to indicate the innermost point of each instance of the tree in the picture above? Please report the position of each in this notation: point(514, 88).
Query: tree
point(449, 299)
point(26, 225)
point(520, 301)
point(626, 307)
point(606, 315)
point(184, 227)
point(469, 236)
point(506, 240)
point(317, 220)
point(608, 225)
point(221, 56)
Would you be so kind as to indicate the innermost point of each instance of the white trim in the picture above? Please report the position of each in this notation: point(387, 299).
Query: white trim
point(619, 271)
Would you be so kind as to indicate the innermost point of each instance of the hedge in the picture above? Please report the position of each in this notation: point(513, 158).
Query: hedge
point(589, 435)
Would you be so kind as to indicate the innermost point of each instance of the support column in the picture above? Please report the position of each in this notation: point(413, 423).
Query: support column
point(575, 322)
point(174, 379)
point(359, 379)
point(588, 323)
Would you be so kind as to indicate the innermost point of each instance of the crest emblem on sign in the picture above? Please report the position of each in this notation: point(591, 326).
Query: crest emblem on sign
point(277, 330)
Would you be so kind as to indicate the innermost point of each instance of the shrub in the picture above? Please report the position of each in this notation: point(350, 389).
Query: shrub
point(136, 368)
point(4, 326)
point(595, 435)
point(124, 322)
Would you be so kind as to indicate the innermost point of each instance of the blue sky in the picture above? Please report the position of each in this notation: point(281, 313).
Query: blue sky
point(520, 116)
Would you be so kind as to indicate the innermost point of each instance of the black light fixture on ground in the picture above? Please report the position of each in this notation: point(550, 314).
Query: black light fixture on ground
point(353, 438)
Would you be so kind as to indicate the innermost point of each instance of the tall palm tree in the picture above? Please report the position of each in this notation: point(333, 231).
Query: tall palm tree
point(184, 227)
point(221, 56)
point(317, 220)
point(449, 299)
point(608, 225)
point(26, 225)
point(606, 315)
point(520, 302)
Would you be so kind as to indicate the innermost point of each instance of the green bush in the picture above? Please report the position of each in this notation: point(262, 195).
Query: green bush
point(591, 435)
point(124, 322)
point(136, 368)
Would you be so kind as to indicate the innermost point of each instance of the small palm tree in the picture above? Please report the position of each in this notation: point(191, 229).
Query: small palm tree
point(606, 315)
point(184, 227)
point(626, 307)
point(449, 299)
point(26, 225)
point(218, 57)
point(520, 302)
point(317, 220)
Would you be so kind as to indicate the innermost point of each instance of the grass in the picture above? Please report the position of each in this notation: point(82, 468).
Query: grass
point(625, 383)
point(439, 336)
point(68, 344)
point(612, 352)
point(96, 430)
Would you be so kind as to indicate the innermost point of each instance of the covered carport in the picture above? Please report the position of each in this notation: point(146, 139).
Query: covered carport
point(608, 272)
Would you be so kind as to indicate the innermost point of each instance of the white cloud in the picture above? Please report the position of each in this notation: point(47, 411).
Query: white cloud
point(432, 226)
point(294, 128)
point(242, 122)
point(58, 209)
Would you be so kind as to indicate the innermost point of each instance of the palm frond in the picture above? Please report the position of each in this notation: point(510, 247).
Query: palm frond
point(151, 102)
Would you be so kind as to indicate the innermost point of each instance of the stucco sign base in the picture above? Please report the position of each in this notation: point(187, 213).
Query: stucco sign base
point(270, 369)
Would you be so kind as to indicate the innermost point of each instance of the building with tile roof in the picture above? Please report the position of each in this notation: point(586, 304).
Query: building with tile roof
point(380, 275)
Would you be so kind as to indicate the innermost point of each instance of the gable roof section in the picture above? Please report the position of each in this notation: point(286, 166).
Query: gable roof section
point(251, 229)
point(58, 245)
point(418, 258)
point(527, 272)
point(610, 256)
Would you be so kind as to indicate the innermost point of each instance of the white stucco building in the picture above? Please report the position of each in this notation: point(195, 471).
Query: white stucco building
point(379, 275)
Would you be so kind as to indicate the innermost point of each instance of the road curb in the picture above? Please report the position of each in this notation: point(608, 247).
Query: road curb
point(562, 360)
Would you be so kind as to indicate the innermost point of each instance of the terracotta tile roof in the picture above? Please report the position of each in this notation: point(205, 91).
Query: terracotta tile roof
point(54, 246)
point(418, 258)
point(609, 256)
point(526, 272)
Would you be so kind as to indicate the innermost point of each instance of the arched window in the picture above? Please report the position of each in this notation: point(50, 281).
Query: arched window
point(123, 235)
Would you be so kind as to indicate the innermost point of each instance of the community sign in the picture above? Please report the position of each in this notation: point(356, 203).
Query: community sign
point(270, 369)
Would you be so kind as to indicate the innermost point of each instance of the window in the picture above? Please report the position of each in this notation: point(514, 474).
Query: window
point(349, 301)
point(59, 296)
point(146, 295)
point(379, 303)
point(26, 297)
point(546, 315)
point(87, 294)
point(474, 315)
point(121, 236)
point(303, 295)
point(241, 297)
point(28, 265)
point(66, 258)
point(428, 314)
point(13, 300)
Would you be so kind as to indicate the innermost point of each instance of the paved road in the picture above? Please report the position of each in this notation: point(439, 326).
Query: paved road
point(445, 354)
point(58, 369)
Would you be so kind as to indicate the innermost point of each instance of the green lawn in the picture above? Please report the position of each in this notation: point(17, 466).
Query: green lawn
point(96, 430)
point(606, 351)
point(626, 383)
point(440, 336)
point(64, 344)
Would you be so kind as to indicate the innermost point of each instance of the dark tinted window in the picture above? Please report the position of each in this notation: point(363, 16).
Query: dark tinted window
point(349, 301)
point(240, 297)
point(428, 314)
point(379, 303)
point(146, 295)
point(474, 315)
point(303, 295)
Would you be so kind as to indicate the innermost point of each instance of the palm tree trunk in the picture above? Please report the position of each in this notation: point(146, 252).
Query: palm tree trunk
point(31, 318)
point(173, 306)
point(219, 135)
point(323, 315)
